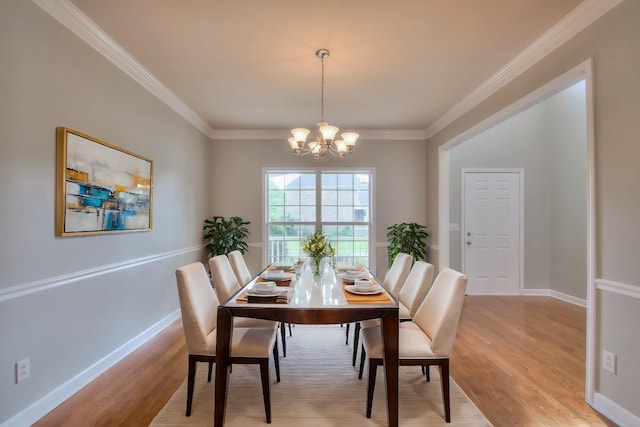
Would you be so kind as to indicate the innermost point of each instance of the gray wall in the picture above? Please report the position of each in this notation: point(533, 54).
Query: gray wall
point(548, 141)
point(400, 176)
point(612, 42)
point(67, 303)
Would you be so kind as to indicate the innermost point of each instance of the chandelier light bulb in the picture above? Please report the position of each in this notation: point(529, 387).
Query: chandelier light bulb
point(300, 134)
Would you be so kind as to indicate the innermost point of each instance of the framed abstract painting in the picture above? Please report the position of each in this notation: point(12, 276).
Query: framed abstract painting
point(101, 188)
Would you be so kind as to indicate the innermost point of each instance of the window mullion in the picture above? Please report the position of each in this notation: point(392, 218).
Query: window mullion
point(318, 201)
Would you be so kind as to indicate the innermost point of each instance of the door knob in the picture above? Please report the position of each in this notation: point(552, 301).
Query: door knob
point(468, 242)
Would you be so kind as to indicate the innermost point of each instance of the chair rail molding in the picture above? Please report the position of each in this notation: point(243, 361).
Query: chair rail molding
point(66, 279)
point(618, 288)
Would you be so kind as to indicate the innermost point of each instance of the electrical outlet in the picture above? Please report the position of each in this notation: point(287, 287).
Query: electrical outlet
point(609, 361)
point(22, 370)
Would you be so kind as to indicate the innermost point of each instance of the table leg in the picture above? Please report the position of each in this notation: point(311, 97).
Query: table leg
point(390, 334)
point(224, 331)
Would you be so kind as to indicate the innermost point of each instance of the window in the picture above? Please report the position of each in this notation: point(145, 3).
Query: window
point(299, 203)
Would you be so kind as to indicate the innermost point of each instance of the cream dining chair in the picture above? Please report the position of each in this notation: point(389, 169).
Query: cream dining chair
point(411, 295)
point(239, 267)
point(243, 275)
point(426, 340)
point(226, 284)
point(199, 307)
point(393, 281)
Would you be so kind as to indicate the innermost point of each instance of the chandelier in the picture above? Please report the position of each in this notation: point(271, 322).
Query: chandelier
point(325, 138)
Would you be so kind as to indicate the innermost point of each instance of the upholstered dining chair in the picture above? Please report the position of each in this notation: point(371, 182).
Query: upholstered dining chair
point(393, 281)
point(199, 307)
point(398, 273)
point(427, 339)
point(411, 295)
point(239, 266)
point(226, 284)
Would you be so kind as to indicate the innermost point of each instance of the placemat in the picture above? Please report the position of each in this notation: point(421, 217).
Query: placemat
point(382, 298)
point(278, 299)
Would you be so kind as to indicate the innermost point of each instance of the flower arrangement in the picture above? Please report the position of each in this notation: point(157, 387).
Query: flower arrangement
point(317, 247)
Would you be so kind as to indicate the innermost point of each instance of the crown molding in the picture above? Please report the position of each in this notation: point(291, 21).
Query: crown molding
point(74, 20)
point(578, 19)
point(283, 134)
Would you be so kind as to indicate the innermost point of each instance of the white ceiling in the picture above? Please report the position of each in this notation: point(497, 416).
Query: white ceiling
point(395, 65)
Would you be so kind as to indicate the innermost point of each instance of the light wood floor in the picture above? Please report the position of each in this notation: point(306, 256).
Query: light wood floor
point(520, 359)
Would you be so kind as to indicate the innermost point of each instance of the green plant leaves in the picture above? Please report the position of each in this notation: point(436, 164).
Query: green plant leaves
point(407, 237)
point(222, 236)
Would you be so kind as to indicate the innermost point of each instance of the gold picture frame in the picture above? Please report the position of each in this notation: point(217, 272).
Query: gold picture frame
point(101, 188)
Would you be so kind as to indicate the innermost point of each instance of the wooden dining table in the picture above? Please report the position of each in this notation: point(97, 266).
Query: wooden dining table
point(316, 304)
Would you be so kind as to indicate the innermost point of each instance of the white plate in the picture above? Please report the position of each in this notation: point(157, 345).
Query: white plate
point(278, 277)
point(348, 279)
point(283, 267)
point(356, 274)
point(375, 291)
point(257, 293)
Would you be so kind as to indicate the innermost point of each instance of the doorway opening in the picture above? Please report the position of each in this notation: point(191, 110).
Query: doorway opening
point(582, 72)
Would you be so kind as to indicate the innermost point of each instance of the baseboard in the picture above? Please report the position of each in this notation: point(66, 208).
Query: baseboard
point(569, 298)
point(555, 294)
point(43, 406)
point(613, 411)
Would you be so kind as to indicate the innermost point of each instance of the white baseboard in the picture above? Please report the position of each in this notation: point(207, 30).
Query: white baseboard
point(43, 406)
point(555, 294)
point(569, 298)
point(614, 412)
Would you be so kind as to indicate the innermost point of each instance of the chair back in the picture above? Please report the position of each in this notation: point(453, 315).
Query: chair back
point(416, 286)
point(439, 313)
point(398, 273)
point(224, 279)
point(198, 304)
point(239, 267)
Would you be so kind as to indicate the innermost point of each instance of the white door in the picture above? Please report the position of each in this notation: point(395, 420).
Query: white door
point(491, 232)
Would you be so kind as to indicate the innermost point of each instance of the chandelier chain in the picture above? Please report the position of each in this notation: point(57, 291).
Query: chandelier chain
point(322, 92)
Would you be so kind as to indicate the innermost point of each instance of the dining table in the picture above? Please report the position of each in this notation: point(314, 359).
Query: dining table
point(310, 301)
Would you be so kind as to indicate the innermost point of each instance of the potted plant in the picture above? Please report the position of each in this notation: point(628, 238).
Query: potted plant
point(222, 236)
point(409, 238)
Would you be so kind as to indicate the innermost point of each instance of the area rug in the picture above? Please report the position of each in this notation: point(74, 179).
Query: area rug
point(319, 387)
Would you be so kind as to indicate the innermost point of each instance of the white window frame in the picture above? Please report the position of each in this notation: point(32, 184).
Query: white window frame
point(319, 171)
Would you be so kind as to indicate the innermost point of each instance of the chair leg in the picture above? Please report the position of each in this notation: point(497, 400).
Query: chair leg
point(346, 342)
point(191, 377)
point(266, 393)
point(444, 380)
point(371, 384)
point(356, 338)
point(290, 333)
point(276, 359)
point(283, 334)
point(426, 372)
point(362, 355)
point(209, 373)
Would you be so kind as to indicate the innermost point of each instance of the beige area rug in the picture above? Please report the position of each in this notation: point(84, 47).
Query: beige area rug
point(319, 387)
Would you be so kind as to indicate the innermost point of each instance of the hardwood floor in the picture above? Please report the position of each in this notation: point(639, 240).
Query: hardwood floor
point(133, 391)
point(520, 359)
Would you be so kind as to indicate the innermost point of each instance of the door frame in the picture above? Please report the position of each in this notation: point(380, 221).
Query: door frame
point(582, 71)
point(520, 172)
